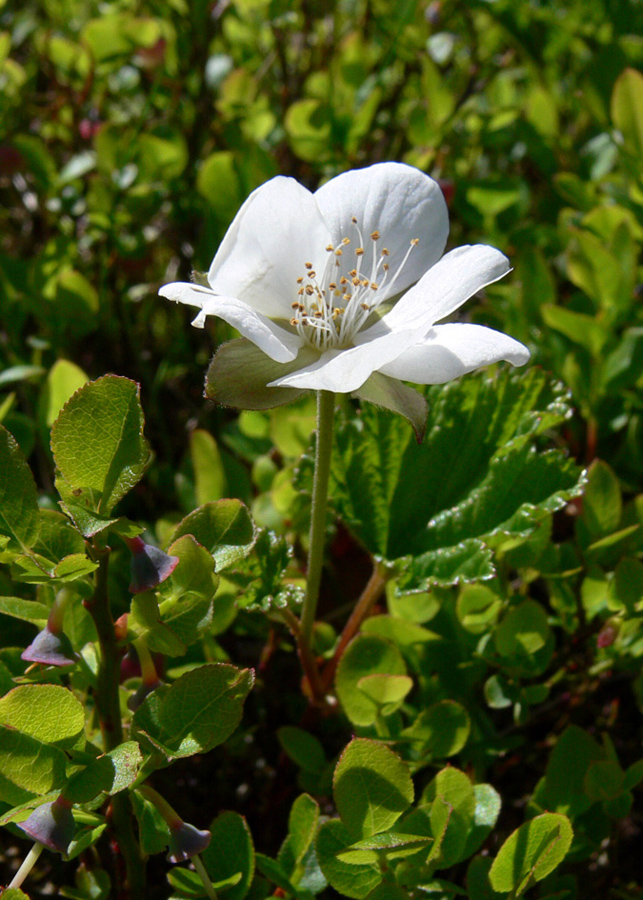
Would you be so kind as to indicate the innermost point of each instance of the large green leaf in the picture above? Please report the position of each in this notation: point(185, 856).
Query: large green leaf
point(372, 787)
point(231, 852)
point(196, 713)
point(478, 474)
point(19, 522)
point(98, 444)
point(38, 722)
point(531, 853)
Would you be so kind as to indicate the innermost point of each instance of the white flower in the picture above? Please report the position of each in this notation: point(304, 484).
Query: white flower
point(312, 281)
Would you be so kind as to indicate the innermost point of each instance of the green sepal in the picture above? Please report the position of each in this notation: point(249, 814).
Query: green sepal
point(397, 397)
point(239, 373)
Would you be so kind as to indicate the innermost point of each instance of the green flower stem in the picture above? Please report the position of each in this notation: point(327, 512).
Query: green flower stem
point(109, 716)
point(325, 415)
point(169, 814)
point(205, 878)
point(27, 865)
point(371, 593)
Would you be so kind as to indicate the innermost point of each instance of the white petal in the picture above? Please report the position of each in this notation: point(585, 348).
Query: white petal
point(399, 202)
point(344, 371)
point(276, 342)
point(452, 350)
point(455, 278)
point(276, 231)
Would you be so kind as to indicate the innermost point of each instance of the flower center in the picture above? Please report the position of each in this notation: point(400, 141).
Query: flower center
point(332, 307)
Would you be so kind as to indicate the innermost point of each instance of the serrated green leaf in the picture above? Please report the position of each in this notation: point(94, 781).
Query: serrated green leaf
point(223, 527)
point(531, 853)
point(372, 787)
point(468, 561)
point(98, 444)
point(199, 711)
point(230, 854)
point(19, 517)
point(495, 482)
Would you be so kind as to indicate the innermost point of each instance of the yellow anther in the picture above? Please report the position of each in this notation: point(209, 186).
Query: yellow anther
point(353, 273)
point(308, 265)
point(330, 248)
point(300, 280)
point(356, 281)
point(364, 282)
point(375, 235)
point(338, 252)
point(312, 274)
point(332, 286)
point(337, 293)
point(386, 267)
point(300, 291)
point(346, 297)
point(294, 321)
point(365, 306)
point(346, 241)
point(294, 305)
point(374, 286)
point(384, 251)
point(359, 251)
point(343, 280)
point(354, 220)
point(310, 289)
point(319, 315)
point(415, 242)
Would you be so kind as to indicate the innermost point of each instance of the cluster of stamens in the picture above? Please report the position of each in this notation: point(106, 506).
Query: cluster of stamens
point(332, 308)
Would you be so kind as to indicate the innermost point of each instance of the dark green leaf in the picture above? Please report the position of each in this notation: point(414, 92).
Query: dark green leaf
point(19, 519)
point(98, 443)
point(372, 787)
point(199, 711)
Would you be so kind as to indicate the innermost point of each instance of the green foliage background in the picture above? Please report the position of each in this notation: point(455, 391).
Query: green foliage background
point(130, 133)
